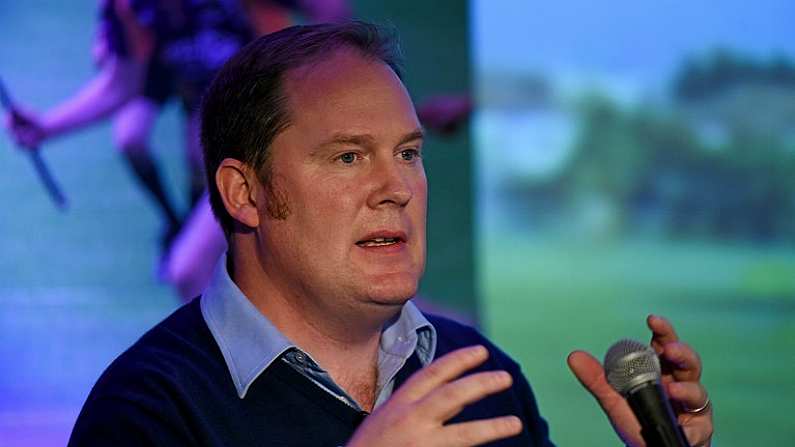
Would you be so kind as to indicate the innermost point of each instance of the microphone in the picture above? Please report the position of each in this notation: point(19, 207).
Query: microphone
point(633, 369)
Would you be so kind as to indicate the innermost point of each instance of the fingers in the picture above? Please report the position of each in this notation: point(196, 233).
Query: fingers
point(690, 394)
point(441, 371)
point(480, 432)
point(686, 364)
point(698, 435)
point(682, 369)
point(678, 359)
point(662, 332)
point(418, 411)
point(450, 399)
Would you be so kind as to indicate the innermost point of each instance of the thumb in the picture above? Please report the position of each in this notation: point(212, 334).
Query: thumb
point(591, 375)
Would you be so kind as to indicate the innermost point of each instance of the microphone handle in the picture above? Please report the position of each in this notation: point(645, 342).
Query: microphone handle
point(659, 425)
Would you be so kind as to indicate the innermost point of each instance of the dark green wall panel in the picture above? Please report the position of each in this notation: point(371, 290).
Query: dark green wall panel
point(435, 41)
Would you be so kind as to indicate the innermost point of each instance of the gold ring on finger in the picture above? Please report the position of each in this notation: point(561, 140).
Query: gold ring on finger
point(700, 409)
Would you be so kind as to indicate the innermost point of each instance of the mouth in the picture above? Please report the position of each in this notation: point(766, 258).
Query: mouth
point(382, 239)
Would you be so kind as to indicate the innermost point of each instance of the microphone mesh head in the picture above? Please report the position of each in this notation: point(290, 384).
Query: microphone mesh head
point(629, 363)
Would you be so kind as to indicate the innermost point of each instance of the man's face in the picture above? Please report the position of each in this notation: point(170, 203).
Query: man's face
point(349, 168)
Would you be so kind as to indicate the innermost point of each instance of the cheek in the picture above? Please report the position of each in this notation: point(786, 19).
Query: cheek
point(421, 199)
point(328, 209)
point(418, 215)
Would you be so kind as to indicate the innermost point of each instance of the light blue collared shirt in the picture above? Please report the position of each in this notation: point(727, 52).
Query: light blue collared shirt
point(250, 343)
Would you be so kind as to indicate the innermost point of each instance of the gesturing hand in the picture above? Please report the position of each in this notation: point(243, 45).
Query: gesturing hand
point(416, 414)
point(681, 369)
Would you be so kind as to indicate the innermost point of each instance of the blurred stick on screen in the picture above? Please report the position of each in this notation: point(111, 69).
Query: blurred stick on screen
point(42, 170)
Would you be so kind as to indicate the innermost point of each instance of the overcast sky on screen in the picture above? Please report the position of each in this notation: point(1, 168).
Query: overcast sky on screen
point(647, 38)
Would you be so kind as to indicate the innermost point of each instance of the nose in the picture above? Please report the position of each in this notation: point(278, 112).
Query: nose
point(392, 185)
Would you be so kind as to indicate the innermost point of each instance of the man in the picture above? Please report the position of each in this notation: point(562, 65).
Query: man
point(307, 335)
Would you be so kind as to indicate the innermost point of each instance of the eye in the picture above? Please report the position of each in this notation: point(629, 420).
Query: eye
point(409, 154)
point(347, 157)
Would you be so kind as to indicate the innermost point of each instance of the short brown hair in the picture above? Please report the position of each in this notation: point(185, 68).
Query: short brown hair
point(245, 106)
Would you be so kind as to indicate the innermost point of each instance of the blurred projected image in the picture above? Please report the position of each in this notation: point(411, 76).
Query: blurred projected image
point(712, 160)
point(640, 160)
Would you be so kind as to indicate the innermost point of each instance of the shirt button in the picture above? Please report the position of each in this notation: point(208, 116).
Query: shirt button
point(402, 339)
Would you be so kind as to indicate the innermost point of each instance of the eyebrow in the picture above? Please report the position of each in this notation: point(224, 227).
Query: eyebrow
point(367, 139)
point(417, 134)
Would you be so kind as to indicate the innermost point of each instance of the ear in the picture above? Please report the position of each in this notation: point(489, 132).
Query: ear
point(237, 185)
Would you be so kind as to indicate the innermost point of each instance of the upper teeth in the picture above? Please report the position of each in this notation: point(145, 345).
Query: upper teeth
point(380, 241)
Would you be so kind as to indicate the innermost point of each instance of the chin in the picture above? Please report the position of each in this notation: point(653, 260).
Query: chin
point(393, 290)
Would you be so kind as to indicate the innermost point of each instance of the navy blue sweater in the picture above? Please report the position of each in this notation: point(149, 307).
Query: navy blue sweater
point(172, 388)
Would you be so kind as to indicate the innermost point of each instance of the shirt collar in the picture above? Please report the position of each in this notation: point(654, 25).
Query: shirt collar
point(250, 343)
point(410, 332)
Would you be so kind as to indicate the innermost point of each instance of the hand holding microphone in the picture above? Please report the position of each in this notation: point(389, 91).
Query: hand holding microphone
point(645, 417)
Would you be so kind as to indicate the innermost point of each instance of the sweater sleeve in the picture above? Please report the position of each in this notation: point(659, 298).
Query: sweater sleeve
point(119, 422)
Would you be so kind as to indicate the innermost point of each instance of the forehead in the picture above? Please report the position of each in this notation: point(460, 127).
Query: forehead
point(347, 91)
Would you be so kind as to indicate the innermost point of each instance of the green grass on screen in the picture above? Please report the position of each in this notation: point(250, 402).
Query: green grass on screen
point(735, 305)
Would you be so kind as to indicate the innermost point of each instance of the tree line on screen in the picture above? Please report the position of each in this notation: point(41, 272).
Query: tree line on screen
point(716, 161)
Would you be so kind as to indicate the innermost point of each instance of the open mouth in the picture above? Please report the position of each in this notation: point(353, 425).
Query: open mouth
point(379, 242)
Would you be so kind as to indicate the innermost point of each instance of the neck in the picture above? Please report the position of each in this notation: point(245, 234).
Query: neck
point(345, 344)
